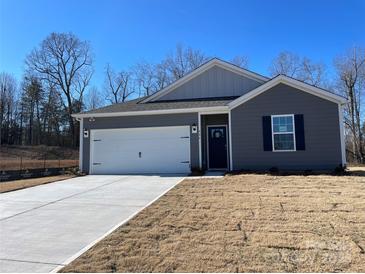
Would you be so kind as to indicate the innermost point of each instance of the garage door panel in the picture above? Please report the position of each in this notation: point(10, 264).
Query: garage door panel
point(141, 150)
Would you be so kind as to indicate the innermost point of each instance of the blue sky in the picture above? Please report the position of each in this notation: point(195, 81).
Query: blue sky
point(124, 32)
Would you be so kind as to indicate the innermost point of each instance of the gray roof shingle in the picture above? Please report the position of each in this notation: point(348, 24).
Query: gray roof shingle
point(135, 105)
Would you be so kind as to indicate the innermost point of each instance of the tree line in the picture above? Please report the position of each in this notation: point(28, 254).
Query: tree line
point(38, 108)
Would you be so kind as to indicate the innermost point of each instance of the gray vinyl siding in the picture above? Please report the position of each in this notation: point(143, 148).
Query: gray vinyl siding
point(207, 120)
point(186, 119)
point(321, 125)
point(215, 82)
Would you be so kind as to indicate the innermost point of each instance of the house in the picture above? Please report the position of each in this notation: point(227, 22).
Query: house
point(217, 117)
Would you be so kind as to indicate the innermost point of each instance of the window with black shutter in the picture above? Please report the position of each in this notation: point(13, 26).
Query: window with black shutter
point(283, 132)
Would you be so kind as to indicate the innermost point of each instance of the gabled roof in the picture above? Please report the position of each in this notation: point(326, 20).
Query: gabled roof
point(211, 63)
point(141, 106)
point(324, 94)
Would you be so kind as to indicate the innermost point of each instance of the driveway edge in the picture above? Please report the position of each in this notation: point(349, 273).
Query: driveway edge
point(86, 248)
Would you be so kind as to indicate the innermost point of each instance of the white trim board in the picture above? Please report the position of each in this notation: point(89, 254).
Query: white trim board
point(200, 70)
point(81, 144)
point(290, 82)
point(91, 147)
point(205, 110)
point(342, 135)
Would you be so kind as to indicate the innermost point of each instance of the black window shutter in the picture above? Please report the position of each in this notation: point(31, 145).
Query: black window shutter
point(299, 131)
point(266, 133)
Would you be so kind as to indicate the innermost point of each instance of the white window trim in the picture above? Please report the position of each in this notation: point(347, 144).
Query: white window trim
point(286, 132)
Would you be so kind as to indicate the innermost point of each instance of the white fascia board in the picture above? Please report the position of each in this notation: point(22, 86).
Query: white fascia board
point(219, 109)
point(200, 70)
point(241, 71)
point(290, 82)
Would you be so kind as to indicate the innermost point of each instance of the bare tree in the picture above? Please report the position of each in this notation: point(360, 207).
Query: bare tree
point(66, 61)
point(145, 78)
point(53, 113)
point(8, 90)
point(32, 100)
point(81, 83)
point(150, 78)
point(177, 63)
point(93, 99)
point(184, 60)
point(312, 73)
point(286, 63)
point(117, 85)
point(194, 57)
point(162, 78)
point(240, 61)
point(351, 76)
point(303, 69)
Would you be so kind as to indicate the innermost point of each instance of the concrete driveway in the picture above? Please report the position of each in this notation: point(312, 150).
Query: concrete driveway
point(44, 227)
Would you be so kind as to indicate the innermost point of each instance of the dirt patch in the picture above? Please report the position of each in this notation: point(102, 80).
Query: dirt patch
point(35, 164)
point(20, 184)
point(242, 223)
point(33, 157)
point(37, 152)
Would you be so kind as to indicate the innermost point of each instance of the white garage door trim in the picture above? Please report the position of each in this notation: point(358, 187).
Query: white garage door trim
point(144, 131)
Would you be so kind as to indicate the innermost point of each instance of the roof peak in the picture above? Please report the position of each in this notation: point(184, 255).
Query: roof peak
point(204, 67)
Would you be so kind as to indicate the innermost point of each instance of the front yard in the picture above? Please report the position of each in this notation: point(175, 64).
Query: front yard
point(242, 223)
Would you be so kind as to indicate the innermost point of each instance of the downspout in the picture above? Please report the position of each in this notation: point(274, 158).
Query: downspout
point(342, 134)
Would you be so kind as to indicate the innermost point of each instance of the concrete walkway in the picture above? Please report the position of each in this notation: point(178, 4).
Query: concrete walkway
point(43, 227)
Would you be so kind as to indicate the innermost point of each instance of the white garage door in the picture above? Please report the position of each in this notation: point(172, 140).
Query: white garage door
point(140, 150)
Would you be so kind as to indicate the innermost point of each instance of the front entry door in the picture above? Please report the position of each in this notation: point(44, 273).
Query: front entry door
point(217, 147)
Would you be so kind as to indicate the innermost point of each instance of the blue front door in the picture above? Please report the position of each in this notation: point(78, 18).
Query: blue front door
point(217, 147)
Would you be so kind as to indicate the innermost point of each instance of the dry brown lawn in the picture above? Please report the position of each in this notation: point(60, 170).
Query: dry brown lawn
point(20, 184)
point(242, 223)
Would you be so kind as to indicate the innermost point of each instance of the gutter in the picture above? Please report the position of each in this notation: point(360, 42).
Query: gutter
point(79, 116)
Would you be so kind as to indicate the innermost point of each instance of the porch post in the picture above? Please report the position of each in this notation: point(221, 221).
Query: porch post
point(200, 141)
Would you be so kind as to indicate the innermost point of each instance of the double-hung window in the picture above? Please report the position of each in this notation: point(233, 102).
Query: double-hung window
point(283, 132)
